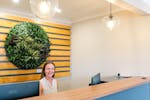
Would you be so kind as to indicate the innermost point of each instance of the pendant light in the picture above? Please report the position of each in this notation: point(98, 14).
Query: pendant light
point(110, 20)
point(44, 9)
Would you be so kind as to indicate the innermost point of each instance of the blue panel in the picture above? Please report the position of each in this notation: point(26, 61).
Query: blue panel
point(138, 93)
point(19, 90)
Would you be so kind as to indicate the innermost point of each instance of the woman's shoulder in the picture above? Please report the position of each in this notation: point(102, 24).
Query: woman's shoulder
point(54, 80)
point(43, 79)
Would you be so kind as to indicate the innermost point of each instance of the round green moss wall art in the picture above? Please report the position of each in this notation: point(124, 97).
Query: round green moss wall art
point(27, 45)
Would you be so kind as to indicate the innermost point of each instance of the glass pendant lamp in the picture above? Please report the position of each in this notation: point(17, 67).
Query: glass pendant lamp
point(44, 8)
point(111, 21)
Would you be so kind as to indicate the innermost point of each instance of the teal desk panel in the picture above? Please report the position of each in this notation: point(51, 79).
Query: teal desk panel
point(141, 92)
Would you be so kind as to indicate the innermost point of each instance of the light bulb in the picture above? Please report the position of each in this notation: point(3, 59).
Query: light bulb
point(110, 24)
point(15, 1)
point(44, 7)
point(57, 10)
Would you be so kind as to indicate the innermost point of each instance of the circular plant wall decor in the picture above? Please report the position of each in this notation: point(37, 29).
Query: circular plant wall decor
point(27, 45)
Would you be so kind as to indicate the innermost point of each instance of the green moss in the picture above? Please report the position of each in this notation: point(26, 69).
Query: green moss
point(27, 45)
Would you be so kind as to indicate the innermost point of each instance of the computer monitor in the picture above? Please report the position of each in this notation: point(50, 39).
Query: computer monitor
point(19, 90)
point(96, 79)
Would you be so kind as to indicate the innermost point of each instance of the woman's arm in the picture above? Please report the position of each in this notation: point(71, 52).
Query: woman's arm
point(57, 85)
point(40, 89)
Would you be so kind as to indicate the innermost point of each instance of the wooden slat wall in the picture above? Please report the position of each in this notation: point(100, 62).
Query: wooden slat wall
point(59, 36)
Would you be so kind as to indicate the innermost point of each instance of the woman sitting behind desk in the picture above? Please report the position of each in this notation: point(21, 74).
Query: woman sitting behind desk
point(48, 84)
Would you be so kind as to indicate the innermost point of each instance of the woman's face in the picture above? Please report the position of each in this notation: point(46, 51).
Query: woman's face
point(49, 70)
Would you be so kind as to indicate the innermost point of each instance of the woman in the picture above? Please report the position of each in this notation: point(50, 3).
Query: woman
point(48, 84)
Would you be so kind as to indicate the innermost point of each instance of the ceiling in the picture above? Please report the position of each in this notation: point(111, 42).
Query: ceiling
point(72, 10)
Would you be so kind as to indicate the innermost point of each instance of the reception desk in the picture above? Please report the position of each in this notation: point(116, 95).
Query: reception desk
point(135, 88)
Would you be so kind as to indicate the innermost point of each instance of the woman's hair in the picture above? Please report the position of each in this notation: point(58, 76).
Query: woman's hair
point(43, 70)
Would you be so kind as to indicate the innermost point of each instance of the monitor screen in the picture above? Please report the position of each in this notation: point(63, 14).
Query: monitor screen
point(19, 90)
point(95, 79)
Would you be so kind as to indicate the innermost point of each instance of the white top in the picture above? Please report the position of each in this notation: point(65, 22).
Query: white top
point(48, 87)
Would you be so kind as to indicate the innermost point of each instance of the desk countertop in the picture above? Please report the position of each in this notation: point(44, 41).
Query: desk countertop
point(96, 91)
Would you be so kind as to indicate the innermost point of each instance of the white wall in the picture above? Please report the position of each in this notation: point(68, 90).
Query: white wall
point(95, 49)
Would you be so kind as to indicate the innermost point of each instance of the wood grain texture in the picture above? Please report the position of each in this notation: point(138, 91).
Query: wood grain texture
point(9, 65)
point(55, 30)
point(59, 36)
point(67, 63)
point(3, 37)
point(13, 79)
point(2, 51)
point(6, 23)
point(57, 58)
point(65, 53)
point(93, 92)
point(60, 42)
point(50, 35)
point(53, 52)
point(4, 58)
point(4, 30)
point(21, 78)
point(52, 46)
point(2, 44)
point(16, 72)
point(60, 47)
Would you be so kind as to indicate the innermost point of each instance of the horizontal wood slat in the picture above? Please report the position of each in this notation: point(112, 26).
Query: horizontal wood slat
point(53, 52)
point(5, 16)
point(62, 74)
point(6, 23)
point(60, 47)
point(55, 25)
point(57, 58)
point(62, 63)
point(53, 41)
point(65, 53)
point(10, 72)
point(58, 36)
point(51, 47)
point(63, 69)
point(13, 79)
point(4, 30)
point(60, 42)
point(32, 77)
point(2, 51)
point(9, 65)
point(4, 58)
point(54, 30)
point(2, 44)
point(13, 72)
point(3, 37)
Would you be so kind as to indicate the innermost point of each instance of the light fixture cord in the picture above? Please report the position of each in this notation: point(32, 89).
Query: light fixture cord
point(110, 16)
